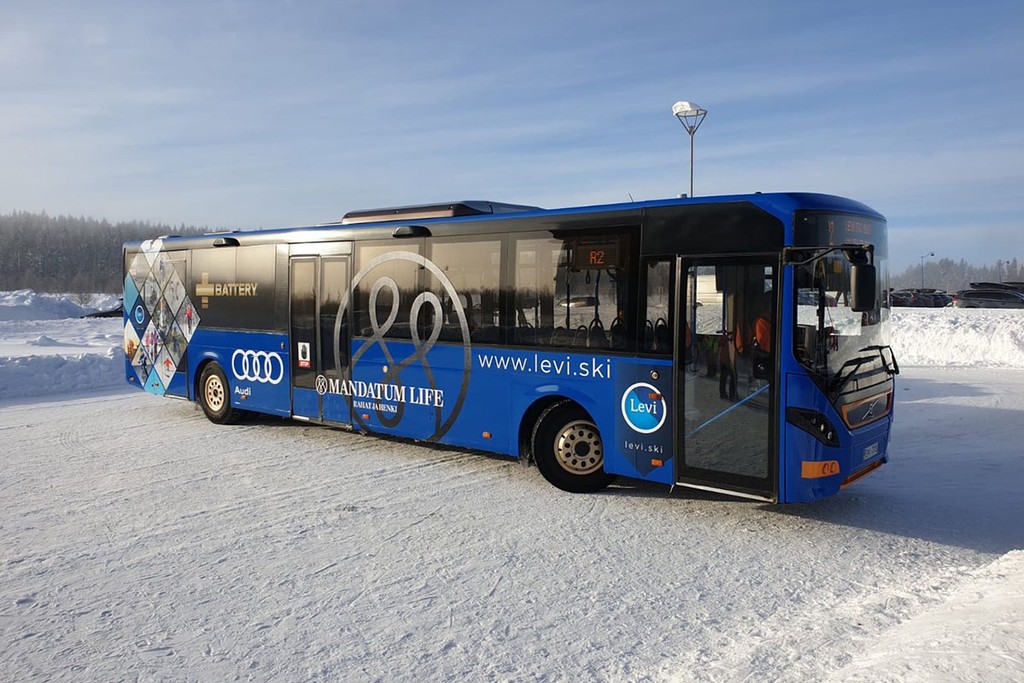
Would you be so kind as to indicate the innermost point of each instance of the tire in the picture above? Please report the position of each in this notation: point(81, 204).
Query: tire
point(214, 396)
point(568, 449)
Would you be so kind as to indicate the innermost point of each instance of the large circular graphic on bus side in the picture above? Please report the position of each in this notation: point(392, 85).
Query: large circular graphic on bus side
point(643, 408)
point(392, 385)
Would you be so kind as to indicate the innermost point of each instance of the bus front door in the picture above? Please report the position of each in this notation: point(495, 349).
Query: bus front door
point(724, 426)
point(319, 341)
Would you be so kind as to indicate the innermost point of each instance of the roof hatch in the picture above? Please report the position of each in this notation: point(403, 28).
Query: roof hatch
point(446, 210)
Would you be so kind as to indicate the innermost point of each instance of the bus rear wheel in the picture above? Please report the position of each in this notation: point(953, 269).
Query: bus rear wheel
point(568, 449)
point(215, 396)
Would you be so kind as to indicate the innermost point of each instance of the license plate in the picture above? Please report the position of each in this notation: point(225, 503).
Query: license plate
point(870, 452)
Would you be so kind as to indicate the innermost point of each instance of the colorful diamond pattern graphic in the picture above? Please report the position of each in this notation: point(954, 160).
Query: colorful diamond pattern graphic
point(160, 318)
point(188, 319)
point(139, 270)
point(174, 291)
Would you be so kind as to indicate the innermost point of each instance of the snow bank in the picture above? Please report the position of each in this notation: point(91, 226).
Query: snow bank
point(46, 348)
point(25, 304)
point(63, 375)
point(971, 337)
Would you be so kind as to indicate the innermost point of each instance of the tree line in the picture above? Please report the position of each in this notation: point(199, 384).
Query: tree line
point(950, 276)
point(68, 254)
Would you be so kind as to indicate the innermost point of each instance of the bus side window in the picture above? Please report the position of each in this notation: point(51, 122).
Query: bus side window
point(392, 283)
point(573, 293)
point(536, 268)
point(657, 319)
point(473, 268)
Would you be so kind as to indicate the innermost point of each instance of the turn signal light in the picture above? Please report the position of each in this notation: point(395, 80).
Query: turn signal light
point(818, 469)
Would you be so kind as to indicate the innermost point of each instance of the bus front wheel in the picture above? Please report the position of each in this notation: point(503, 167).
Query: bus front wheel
point(215, 396)
point(568, 449)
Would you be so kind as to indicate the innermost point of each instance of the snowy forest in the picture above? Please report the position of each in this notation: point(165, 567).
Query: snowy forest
point(68, 254)
point(949, 275)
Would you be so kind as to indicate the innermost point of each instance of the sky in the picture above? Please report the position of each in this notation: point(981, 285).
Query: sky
point(248, 114)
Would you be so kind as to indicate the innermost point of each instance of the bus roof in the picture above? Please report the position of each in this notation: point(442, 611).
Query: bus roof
point(780, 204)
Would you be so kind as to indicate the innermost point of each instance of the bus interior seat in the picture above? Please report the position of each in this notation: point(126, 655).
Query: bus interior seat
point(596, 337)
point(649, 336)
point(562, 337)
point(662, 336)
point(581, 336)
point(618, 335)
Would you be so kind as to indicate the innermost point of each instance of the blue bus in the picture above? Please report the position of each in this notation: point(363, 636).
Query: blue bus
point(737, 344)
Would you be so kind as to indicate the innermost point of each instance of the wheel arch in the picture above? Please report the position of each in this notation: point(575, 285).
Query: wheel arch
point(528, 422)
point(205, 358)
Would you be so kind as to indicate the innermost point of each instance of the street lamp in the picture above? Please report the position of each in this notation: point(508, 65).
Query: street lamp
point(930, 253)
point(690, 115)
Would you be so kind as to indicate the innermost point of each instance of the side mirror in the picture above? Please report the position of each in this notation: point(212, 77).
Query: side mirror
point(862, 287)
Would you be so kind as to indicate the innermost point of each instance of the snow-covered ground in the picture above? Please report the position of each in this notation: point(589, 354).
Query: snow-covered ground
point(139, 541)
point(47, 348)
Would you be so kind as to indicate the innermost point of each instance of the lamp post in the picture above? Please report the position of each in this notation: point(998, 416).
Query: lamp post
point(930, 253)
point(691, 116)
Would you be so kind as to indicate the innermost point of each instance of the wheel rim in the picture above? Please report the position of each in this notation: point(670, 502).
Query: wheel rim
point(214, 393)
point(578, 448)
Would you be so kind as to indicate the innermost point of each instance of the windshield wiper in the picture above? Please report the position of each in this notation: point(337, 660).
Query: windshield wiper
point(854, 364)
point(840, 381)
point(894, 368)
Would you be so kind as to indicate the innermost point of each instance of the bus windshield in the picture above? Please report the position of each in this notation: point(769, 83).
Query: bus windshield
point(832, 339)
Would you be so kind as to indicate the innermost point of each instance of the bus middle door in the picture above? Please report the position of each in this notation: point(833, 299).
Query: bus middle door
point(319, 340)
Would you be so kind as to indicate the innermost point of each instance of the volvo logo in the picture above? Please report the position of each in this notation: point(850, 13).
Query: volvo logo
point(265, 367)
point(871, 409)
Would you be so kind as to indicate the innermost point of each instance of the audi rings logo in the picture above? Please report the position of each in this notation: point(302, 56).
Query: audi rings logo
point(265, 367)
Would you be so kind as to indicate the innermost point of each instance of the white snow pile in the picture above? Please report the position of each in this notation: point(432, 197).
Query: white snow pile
point(27, 376)
point(43, 340)
point(25, 304)
point(46, 347)
point(971, 337)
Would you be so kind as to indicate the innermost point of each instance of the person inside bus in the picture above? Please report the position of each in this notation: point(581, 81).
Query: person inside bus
point(726, 366)
point(761, 340)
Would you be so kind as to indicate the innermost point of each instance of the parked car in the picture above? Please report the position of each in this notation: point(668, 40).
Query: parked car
point(112, 313)
point(927, 297)
point(988, 298)
point(901, 298)
point(1017, 286)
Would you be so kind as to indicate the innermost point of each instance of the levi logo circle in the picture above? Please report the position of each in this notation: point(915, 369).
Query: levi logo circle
point(643, 408)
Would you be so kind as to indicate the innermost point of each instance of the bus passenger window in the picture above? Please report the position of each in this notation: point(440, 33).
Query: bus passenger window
point(469, 300)
point(657, 322)
point(572, 294)
point(388, 280)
